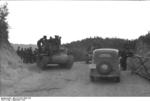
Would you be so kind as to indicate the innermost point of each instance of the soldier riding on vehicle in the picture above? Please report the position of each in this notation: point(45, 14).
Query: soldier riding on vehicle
point(52, 53)
point(42, 44)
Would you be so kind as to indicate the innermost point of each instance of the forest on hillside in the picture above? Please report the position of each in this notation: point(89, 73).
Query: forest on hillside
point(3, 23)
point(145, 38)
point(79, 49)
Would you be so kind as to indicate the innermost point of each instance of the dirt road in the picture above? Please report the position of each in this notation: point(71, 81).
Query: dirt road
point(76, 82)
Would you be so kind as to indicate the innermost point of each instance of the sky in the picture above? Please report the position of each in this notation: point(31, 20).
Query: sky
point(76, 20)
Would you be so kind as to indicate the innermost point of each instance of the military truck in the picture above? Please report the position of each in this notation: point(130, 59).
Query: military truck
point(53, 55)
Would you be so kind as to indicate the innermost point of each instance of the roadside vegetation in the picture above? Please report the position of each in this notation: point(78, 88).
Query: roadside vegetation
point(12, 69)
point(80, 48)
point(3, 23)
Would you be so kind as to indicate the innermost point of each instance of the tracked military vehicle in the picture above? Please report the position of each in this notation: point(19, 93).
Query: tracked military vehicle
point(52, 55)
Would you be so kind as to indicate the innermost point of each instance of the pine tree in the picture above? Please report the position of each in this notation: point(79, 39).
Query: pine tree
point(3, 23)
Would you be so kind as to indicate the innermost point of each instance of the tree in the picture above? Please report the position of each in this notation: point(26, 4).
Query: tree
point(3, 23)
point(145, 38)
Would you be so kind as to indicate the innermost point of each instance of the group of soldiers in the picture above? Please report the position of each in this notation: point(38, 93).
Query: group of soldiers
point(28, 55)
point(49, 46)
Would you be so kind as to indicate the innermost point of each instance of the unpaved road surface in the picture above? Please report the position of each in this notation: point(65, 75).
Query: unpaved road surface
point(76, 82)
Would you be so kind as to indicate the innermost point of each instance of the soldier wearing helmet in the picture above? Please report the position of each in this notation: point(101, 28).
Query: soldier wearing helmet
point(42, 44)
